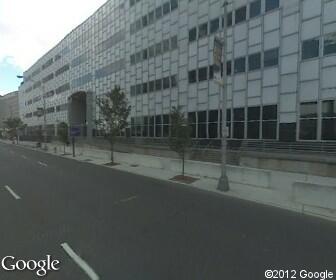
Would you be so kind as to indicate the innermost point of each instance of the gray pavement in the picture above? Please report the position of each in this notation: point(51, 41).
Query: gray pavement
point(127, 226)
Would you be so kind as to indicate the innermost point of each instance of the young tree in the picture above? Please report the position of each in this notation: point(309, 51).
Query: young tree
point(63, 133)
point(179, 140)
point(13, 124)
point(114, 110)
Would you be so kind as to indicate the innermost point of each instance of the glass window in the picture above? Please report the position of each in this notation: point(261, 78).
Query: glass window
point(253, 130)
point(138, 89)
point(202, 124)
point(213, 116)
point(144, 54)
point(287, 132)
point(240, 15)
point(173, 43)
point(255, 8)
point(138, 24)
point(132, 2)
point(271, 5)
point(158, 49)
point(310, 48)
point(271, 57)
point(166, 45)
point(214, 25)
point(228, 68)
point(330, 44)
point(173, 4)
point(158, 126)
point(329, 129)
point(308, 110)
point(254, 61)
point(308, 129)
point(166, 82)
point(269, 129)
point(151, 17)
point(238, 130)
point(270, 112)
point(158, 12)
point(203, 30)
point(173, 81)
point(144, 87)
point(229, 19)
point(151, 126)
point(192, 123)
point(138, 57)
point(158, 84)
point(211, 72)
point(202, 74)
point(151, 86)
point(133, 90)
point(329, 108)
point(144, 21)
point(253, 113)
point(192, 76)
point(239, 114)
point(192, 34)
point(151, 51)
point(239, 65)
point(166, 8)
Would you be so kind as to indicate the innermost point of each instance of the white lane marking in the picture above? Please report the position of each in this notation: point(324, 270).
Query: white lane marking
point(80, 262)
point(42, 163)
point(24, 157)
point(128, 199)
point(12, 192)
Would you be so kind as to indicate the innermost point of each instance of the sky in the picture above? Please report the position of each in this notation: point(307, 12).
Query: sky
point(30, 28)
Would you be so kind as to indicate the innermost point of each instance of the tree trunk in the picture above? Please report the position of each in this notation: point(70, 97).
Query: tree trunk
point(64, 148)
point(183, 164)
point(112, 149)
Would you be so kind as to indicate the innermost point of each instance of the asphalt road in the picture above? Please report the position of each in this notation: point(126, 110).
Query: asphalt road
point(129, 227)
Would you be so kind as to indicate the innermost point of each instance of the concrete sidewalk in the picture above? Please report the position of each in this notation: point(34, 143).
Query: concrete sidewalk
point(307, 194)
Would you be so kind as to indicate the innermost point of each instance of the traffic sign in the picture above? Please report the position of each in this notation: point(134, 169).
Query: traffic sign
point(75, 131)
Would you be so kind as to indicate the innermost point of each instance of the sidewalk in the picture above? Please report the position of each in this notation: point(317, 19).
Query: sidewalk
point(312, 195)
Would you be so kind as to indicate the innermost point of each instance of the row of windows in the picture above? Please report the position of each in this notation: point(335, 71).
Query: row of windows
point(311, 48)
point(211, 27)
point(48, 63)
point(110, 42)
point(271, 58)
point(133, 2)
point(155, 85)
point(110, 69)
point(206, 124)
point(62, 88)
point(153, 15)
point(154, 50)
point(81, 80)
point(58, 108)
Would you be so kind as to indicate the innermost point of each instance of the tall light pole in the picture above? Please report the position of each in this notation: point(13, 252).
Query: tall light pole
point(44, 110)
point(223, 182)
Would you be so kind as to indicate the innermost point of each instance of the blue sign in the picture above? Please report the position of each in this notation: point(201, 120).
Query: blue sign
point(75, 131)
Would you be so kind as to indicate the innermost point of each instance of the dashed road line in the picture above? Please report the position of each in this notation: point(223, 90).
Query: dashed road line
point(128, 199)
point(12, 192)
point(42, 163)
point(24, 157)
point(80, 262)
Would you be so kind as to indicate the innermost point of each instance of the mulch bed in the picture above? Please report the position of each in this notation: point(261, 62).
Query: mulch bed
point(111, 164)
point(184, 179)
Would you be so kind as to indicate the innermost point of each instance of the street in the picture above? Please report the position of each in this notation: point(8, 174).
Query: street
point(129, 227)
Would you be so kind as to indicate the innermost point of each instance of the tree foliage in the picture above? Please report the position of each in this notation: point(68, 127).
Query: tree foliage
point(179, 140)
point(13, 124)
point(114, 110)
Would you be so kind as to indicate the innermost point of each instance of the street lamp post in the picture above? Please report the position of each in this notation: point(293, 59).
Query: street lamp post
point(44, 110)
point(223, 183)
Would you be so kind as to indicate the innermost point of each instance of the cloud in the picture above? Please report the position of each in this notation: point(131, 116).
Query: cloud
point(28, 29)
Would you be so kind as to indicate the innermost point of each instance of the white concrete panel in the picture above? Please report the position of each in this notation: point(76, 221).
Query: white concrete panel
point(287, 117)
point(309, 90)
point(214, 102)
point(254, 88)
point(240, 32)
point(272, 21)
point(253, 101)
point(240, 49)
point(311, 8)
point(309, 70)
point(329, 11)
point(289, 64)
point(272, 40)
point(255, 35)
point(329, 78)
point(288, 103)
point(290, 7)
point(290, 44)
point(270, 95)
point(290, 24)
point(271, 77)
point(239, 82)
point(311, 28)
point(239, 98)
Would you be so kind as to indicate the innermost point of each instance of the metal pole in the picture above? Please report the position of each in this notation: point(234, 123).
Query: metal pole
point(73, 147)
point(223, 183)
point(44, 118)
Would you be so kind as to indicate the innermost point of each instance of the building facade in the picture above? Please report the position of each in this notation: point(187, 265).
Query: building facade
point(9, 107)
point(281, 67)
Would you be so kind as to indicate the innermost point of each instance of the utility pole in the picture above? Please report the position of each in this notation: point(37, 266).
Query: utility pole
point(223, 183)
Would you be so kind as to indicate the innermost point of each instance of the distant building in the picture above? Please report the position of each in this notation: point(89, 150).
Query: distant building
point(9, 107)
point(281, 66)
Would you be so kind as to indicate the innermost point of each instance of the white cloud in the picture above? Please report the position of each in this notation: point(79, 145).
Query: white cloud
point(29, 28)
